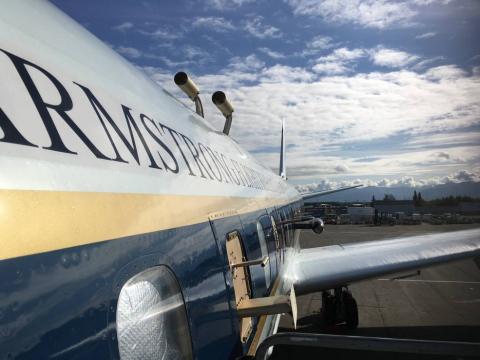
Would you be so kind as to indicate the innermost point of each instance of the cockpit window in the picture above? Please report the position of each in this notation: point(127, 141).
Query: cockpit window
point(151, 318)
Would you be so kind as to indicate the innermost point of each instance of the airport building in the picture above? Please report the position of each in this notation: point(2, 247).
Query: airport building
point(406, 207)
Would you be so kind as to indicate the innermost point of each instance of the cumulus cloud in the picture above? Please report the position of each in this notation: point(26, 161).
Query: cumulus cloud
point(366, 13)
point(427, 62)
point(392, 57)
point(344, 54)
point(463, 138)
point(214, 23)
point(341, 168)
point(330, 68)
point(327, 114)
point(405, 181)
point(130, 52)
point(443, 155)
point(426, 35)
point(246, 64)
point(445, 73)
point(255, 27)
point(195, 52)
point(462, 176)
point(286, 74)
point(226, 4)
point(320, 42)
point(123, 26)
point(338, 62)
point(271, 53)
point(162, 33)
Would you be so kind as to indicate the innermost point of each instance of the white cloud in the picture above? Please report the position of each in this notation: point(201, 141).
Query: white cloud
point(327, 114)
point(130, 52)
point(343, 54)
point(316, 45)
point(256, 28)
point(271, 53)
point(446, 72)
point(320, 42)
point(194, 52)
point(123, 26)
point(392, 57)
point(247, 64)
point(443, 155)
point(341, 168)
point(338, 62)
point(330, 68)
point(423, 64)
point(218, 24)
point(426, 35)
point(226, 4)
point(366, 13)
point(462, 176)
point(404, 181)
point(162, 33)
point(281, 74)
point(445, 140)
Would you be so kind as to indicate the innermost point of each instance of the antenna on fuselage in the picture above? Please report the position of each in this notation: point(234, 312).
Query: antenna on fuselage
point(282, 169)
point(188, 87)
point(221, 102)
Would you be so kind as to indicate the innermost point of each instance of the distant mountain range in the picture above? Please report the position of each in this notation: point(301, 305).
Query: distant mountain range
point(363, 194)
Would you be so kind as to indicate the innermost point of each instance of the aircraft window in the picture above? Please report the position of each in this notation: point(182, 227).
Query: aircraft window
point(264, 250)
point(151, 318)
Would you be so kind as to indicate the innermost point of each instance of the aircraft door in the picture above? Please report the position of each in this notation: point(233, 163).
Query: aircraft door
point(228, 229)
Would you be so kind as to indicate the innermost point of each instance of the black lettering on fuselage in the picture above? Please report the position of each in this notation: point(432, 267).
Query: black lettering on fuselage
point(172, 132)
point(144, 117)
point(223, 169)
point(196, 156)
point(205, 150)
point(230, 171)
point(61, 109)
point(11, 133)
point(130, 145)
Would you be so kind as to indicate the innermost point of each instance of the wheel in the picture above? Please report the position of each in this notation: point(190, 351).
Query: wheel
point(329, 310)
point(351, 310)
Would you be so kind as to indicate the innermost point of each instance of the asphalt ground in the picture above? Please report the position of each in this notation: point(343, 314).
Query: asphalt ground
point(442, 303)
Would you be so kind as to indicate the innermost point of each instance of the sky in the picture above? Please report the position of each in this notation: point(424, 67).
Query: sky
point(378, 92)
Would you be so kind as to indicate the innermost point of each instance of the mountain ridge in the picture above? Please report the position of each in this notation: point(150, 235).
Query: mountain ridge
point(364, 194)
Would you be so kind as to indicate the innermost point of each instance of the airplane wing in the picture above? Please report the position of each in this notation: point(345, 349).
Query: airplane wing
point(329, 267)
point(322, 193)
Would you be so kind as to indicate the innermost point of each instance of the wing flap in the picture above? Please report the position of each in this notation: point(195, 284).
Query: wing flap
point(328, 267)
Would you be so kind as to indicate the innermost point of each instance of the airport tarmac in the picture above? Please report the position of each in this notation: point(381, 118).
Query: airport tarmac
point(442, 303)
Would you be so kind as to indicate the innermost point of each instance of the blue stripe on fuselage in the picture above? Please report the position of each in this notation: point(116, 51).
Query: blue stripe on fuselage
point(64, 302)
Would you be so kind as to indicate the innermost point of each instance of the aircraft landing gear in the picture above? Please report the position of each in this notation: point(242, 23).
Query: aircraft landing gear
point(340, 307)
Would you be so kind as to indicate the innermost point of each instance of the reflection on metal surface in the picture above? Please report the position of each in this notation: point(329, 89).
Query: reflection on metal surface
point(332, 266)
point(151, 319)
point(264, 250)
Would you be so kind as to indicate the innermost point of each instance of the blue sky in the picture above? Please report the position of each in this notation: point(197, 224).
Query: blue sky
point(379, 92)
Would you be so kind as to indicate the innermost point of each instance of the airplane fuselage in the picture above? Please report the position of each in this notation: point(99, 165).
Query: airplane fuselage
point(104, 176)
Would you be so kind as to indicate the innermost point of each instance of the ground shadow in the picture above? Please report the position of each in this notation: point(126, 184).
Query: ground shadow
point(445, 333)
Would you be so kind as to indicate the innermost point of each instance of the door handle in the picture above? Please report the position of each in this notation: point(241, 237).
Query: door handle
point(262, 262)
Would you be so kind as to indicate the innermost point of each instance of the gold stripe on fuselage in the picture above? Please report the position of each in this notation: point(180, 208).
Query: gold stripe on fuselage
point(33, 222)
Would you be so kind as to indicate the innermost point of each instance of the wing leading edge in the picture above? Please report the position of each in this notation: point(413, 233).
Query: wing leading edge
point(323, 193)
point(328, 267)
